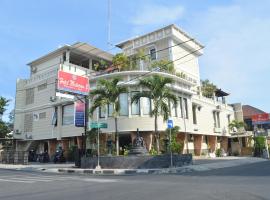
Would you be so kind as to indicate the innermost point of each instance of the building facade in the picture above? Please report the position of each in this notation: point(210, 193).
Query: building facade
point(203, 121)
point(42, 119)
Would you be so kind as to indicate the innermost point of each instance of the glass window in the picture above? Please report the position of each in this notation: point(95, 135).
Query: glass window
point(135, 107)
point(42, 86)
point(42, 115)
point(194, 114)
point(153, 54)
point(173, 109)
point(215, 119)
point(28, 122)
point(218, 120)
point(146, 106)
point(229, 119)
point(102, 112)
point(123, 98)
point(68, 114)
point(110, 110)
point(186, 107)
point(181, 106)
point(54, 117)
point(29, 94)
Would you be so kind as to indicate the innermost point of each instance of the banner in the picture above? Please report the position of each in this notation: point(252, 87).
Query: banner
point(73, 83)
point(260, 119)
point(79, 119)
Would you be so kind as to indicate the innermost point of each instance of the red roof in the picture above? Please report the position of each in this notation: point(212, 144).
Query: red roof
point(248, 111)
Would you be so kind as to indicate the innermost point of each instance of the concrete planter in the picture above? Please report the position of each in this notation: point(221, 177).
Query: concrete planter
point(137, 162)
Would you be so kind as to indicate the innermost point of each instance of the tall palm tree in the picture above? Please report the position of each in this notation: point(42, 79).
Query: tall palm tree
point(238, 125)
point(156, 89)
point(107, 93)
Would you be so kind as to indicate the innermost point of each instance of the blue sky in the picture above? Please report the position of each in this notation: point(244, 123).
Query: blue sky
point(235, 34)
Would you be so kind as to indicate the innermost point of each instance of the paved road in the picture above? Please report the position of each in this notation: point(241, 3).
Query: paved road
point(243, 182)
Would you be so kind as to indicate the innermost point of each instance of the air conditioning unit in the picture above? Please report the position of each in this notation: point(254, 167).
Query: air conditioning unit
point(217, 130)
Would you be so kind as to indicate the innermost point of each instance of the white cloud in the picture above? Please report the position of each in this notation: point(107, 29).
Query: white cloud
point(237, 50)
point(154, 15)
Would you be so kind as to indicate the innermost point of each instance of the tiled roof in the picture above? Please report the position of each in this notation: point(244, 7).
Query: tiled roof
point(248, 111)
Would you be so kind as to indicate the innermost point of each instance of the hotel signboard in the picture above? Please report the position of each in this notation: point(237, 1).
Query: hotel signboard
point(73, 83)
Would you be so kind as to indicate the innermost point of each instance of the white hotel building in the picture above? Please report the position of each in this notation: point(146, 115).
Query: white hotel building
point(203, 121)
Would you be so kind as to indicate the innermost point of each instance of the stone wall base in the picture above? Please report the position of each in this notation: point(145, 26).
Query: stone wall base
point(137, 162)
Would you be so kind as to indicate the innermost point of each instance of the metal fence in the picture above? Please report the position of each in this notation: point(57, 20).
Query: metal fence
point(14, 157)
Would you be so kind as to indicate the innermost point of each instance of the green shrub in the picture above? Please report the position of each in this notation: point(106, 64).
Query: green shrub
point(153, 152)
point(71, 153)
point(218, 152)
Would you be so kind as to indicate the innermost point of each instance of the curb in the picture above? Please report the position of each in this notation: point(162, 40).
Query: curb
point(125, 171)
point(130, 172)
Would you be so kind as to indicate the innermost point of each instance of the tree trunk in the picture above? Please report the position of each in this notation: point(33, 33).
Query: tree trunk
point(156, 134)
point(116, 136)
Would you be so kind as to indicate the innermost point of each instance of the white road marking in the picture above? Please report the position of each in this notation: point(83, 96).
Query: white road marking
point(16, 181)
point(19, 178)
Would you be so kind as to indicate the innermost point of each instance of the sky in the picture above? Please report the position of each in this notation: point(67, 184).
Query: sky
point(235, 34)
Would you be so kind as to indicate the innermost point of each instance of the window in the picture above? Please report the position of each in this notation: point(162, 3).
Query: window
point(110, 110)
point(229, 119)
point(54, 117)
point(102, 112)
point(68, 114)
point(181, 106)
point(135, 107)
point(123, 98)
point(153, 54)
point(194, 107)
point(42, 86)
point(173, 109)
point(190, 138)
point(186, 108)
point(28, 122)
point(29, 96)
point(42, 115)
point(64, 56)
point(205, 139)
point(146, 105)
point(216, 119)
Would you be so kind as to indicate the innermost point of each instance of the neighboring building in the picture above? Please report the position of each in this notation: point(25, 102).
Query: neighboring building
point(248, 112)
point(36, 101)
point(203, 121)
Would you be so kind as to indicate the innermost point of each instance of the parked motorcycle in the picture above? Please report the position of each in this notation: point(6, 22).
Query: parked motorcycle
point(43, 157)
point(32, 156)
point(59, 156)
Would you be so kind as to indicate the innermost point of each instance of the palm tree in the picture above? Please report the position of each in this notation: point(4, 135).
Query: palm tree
point(236, 126)
point(156, 89)
point(107, 93)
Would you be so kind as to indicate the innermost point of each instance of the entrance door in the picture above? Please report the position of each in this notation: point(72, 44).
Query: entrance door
point(124, 142)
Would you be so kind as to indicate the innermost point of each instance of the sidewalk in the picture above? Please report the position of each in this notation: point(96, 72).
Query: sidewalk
point(200, 164)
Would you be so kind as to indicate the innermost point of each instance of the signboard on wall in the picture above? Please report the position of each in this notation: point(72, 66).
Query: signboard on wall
point(79, 119)
point(260, 119)
point(73, 83)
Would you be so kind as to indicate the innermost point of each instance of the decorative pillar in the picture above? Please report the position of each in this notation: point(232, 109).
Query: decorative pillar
point(197, 144)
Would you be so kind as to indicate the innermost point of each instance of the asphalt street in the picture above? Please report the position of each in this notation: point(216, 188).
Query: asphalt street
point(243, 182)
